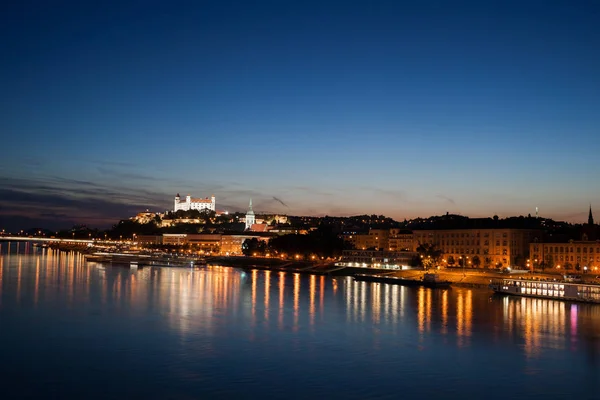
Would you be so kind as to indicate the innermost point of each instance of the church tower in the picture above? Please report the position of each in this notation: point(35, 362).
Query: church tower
point(589, 230)
point(250, 217)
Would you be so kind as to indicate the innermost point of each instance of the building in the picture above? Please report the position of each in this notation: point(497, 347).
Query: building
point(377, 259)
point(250, 219)
point(227, 245)
point(174, 238)
point(575, 255)
point(401, 240)
point(376, 239)
point(149, 239)
point(493, 247)
point(194, 203)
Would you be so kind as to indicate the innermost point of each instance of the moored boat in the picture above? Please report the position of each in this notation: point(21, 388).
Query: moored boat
point(558, 290)
point(429, 280)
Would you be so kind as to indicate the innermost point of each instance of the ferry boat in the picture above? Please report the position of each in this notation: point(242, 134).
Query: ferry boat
point(428, 280)
point(558, 290)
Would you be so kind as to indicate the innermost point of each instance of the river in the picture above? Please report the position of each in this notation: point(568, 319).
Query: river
point(71, 329)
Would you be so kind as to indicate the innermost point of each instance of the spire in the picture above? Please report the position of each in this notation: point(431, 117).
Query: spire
point(590, 217)
point(250, 206)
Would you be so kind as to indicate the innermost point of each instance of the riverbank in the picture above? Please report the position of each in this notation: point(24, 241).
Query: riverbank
point(457, 278)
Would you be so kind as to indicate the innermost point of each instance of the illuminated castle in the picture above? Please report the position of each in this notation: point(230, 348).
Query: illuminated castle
point(194, 204)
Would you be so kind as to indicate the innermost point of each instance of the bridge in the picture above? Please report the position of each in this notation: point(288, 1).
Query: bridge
point(44, 239)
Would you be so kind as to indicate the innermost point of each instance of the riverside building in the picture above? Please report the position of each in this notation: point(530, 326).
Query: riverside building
point(493, 247)
point(574, 255)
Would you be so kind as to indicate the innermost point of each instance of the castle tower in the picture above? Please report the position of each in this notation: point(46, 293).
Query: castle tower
point(176, 205)
point(250, 217)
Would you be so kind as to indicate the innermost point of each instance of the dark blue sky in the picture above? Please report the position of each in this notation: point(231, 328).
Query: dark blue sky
point(398, 108)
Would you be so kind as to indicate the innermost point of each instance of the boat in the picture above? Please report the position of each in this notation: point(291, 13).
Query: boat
point(428, 280)
point(546, 289)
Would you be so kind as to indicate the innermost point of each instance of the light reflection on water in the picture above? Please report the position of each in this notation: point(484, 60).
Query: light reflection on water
point(223, 332)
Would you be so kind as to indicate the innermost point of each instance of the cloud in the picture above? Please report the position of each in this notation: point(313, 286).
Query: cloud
point(53, 201)
point(125, 175)
point(280, 201)
point(447, 199)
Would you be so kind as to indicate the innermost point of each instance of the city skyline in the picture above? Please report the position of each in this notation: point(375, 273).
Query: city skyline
point(307, 108)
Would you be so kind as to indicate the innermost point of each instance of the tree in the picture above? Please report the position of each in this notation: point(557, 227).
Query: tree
point(430, 255)
point(476, 261)
point(252, 247)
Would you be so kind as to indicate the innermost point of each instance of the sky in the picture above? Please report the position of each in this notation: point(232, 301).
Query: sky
point(399, 108)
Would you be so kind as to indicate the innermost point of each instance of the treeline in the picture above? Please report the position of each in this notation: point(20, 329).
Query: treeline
point(322, 242)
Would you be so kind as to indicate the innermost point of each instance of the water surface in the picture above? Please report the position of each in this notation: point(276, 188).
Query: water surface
point(71, 329)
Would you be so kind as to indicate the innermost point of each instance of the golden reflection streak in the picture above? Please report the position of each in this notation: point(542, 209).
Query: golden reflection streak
point(395, 305)
point(363, 300)
point(312, 289)
point(321, 295)
point(37, 282)
point(445, 312)
point(69, 277)
point(348, 293)
point(296, 299)
point(530, 328)
point(469, 313)
point(117, 288)
point(386, 303)
point(354, 284)
point(1, 267)
point(421, 309)
point(376, 303)
point(267, 290)
point(459, 318)
point(281, 298)
point(428, 305)
point(226, 288)
point(253, 296)
point(1, 274)
point(19, 280)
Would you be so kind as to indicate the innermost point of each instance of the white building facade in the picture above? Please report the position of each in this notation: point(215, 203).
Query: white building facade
point(194, 203)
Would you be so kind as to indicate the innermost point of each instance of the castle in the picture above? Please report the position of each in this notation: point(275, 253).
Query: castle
point(194, 204)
